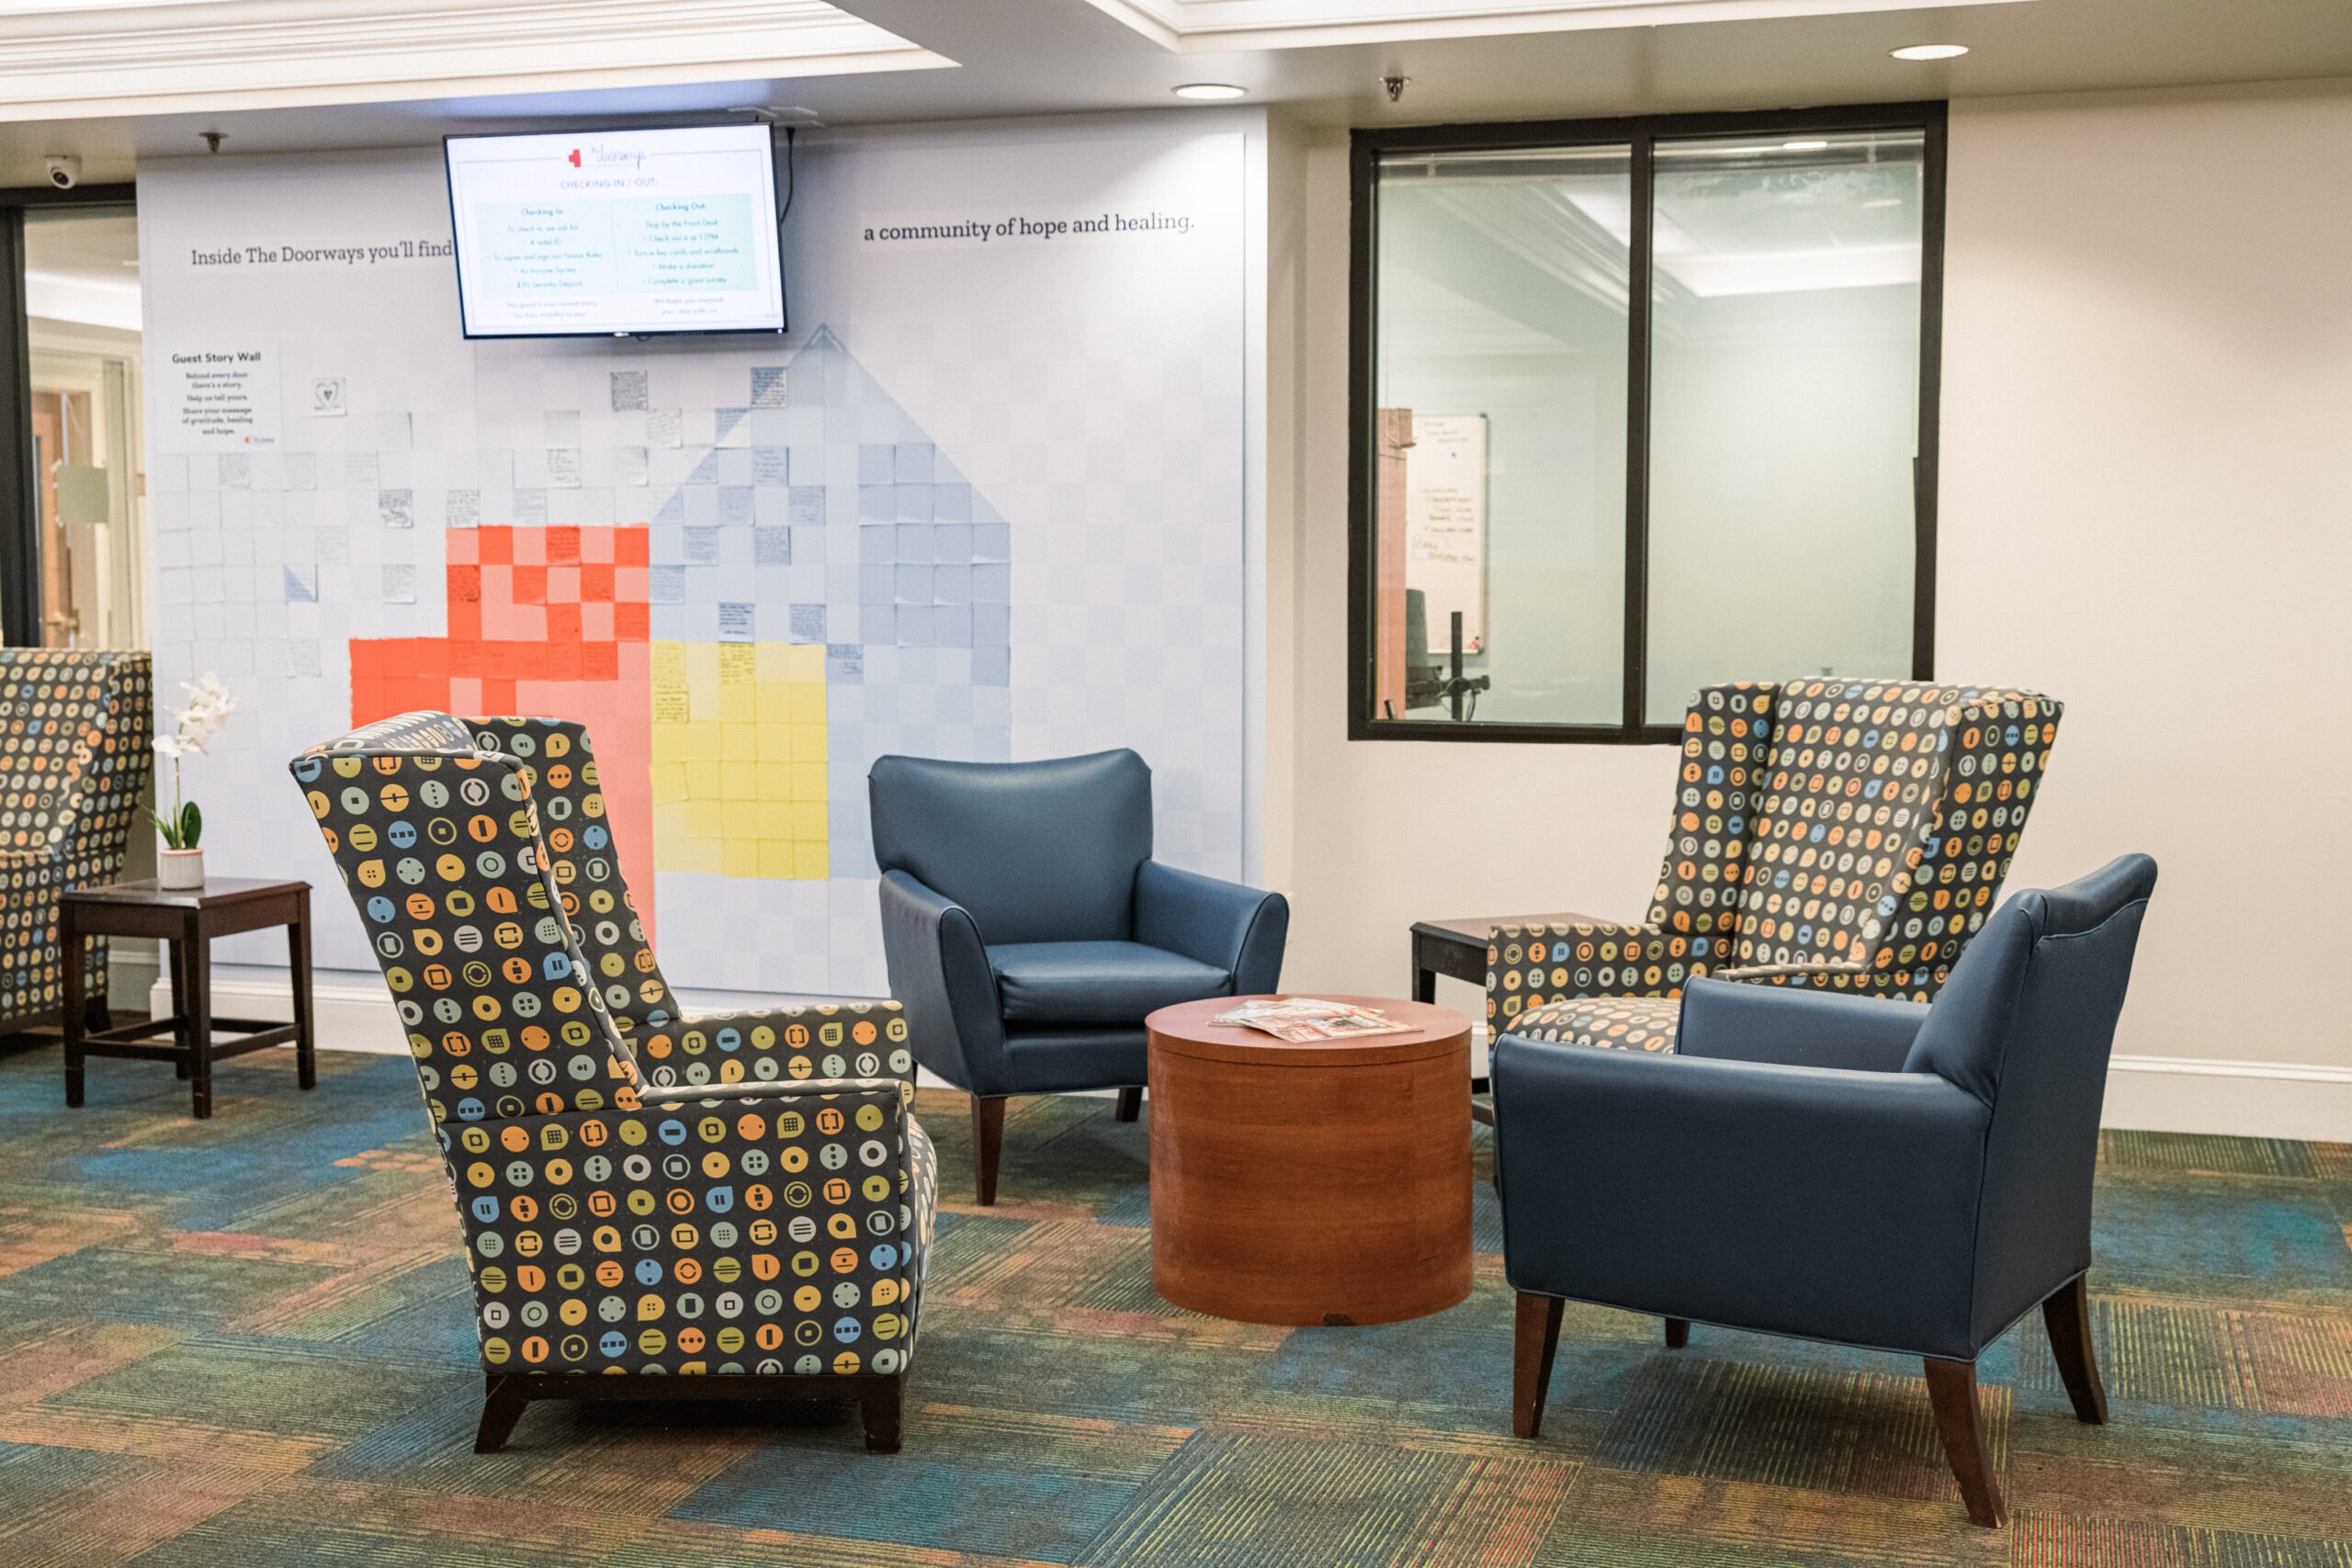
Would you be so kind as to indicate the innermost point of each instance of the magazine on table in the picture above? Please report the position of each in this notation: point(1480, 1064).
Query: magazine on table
point(1302, 1021)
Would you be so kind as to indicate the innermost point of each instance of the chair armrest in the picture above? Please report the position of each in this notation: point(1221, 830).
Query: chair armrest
point(1235, 929)
point(1805, 1201)
point(717, 1181)
point(1528, 966)
point(769, 1088)
point(801, 1042)
point(1811, 969)
point(1795, 1027)
point(939, 971)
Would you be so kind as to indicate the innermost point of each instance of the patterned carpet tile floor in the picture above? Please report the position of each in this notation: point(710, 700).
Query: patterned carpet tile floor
point(247, 1341)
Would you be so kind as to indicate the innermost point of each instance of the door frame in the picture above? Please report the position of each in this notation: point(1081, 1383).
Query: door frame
point(20, 595)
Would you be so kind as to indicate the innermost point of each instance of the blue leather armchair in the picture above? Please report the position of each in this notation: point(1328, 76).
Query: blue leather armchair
point(1887, 1175)
point(1028, 931)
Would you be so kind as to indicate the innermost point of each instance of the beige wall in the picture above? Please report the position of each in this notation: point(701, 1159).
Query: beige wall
point(2147, 511)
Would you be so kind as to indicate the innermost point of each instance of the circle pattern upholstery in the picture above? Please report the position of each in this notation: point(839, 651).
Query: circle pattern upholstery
point(75, 753)
point(772, 1232)
point(1847, 834)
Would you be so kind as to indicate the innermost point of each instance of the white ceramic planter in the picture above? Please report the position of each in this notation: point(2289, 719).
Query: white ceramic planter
point(181, 871)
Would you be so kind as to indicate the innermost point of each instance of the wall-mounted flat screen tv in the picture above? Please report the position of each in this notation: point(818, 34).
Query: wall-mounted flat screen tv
point(616, 233)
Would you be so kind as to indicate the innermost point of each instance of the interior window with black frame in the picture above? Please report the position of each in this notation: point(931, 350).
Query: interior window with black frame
point(1639, 405)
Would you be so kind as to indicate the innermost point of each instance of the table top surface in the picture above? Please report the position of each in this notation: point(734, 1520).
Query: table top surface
point(1480, 929)
point(216, 891)
point(1186, 1027)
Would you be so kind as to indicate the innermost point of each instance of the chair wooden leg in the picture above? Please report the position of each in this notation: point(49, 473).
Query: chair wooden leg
point(1537, 1339)
point(988, 1143)
point(2066, 1315)
point(1678, 1333)
point(1130, 1104)
point(883, 1406)
point(501, 1406)
point(1951, 1390)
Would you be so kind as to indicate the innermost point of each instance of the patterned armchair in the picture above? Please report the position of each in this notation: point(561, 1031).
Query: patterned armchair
point(1843, 835)
point(767, 1221)
point(75, 752)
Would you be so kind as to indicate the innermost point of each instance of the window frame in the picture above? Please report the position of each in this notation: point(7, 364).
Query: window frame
point(1642, 133)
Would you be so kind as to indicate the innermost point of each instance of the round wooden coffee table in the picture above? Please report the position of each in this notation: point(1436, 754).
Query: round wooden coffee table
point(1318, 1184)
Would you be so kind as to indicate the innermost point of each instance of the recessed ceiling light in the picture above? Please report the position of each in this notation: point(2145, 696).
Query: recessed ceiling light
point(1803, 146)
point(1930, 51)
point(1209, 90)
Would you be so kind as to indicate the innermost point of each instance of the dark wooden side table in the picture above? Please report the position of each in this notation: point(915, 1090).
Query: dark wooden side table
point(1324, 1183)
point(187, 923)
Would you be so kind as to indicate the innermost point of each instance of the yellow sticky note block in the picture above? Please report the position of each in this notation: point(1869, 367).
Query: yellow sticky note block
point(738, 759)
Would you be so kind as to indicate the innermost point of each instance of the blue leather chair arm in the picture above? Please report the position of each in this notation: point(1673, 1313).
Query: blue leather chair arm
point(939, 971)
point(1802, 1201)
point(1234, 927)
point(1725, 1021)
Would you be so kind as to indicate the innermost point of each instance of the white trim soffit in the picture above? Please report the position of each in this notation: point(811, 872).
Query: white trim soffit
point(124, 57)
point(1195, 27)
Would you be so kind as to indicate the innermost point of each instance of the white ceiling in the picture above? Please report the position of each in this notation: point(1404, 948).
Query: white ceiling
point(1020, 57)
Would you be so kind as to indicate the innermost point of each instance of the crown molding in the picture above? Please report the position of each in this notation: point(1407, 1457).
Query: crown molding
point(132, 56)
point(1193, 26)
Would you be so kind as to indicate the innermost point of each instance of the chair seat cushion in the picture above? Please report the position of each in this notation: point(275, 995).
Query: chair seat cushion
point(1628, 1023)
point(1082, 983)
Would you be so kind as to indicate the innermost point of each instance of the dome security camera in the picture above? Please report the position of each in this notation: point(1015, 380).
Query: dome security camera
point(64, 171)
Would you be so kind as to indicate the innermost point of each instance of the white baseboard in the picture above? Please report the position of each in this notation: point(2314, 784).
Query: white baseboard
point(2248, 1099)
point(2186, 1094)
point(131, 976)
point(2166, 1094)
point(349, 1011)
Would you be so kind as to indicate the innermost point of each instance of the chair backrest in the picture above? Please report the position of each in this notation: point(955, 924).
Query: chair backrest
point(2025, 1023)
point(1861, 822)
point(1035, 851)
point(439, 844)
point(77, 732)
point(586, 860)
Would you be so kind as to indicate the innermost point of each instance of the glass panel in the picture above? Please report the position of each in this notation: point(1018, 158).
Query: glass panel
point(1499, 350)
point(82, 307)
point(1784, 389)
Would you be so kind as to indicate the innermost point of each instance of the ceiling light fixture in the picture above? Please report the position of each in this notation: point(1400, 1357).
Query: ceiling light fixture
point(1930, 51)
point(1209, 92)
point(1815, 146)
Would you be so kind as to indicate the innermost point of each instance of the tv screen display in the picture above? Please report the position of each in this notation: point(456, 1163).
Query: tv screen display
point(613, 233)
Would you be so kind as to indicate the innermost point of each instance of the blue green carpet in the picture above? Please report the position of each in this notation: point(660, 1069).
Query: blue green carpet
point(247, 1341)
